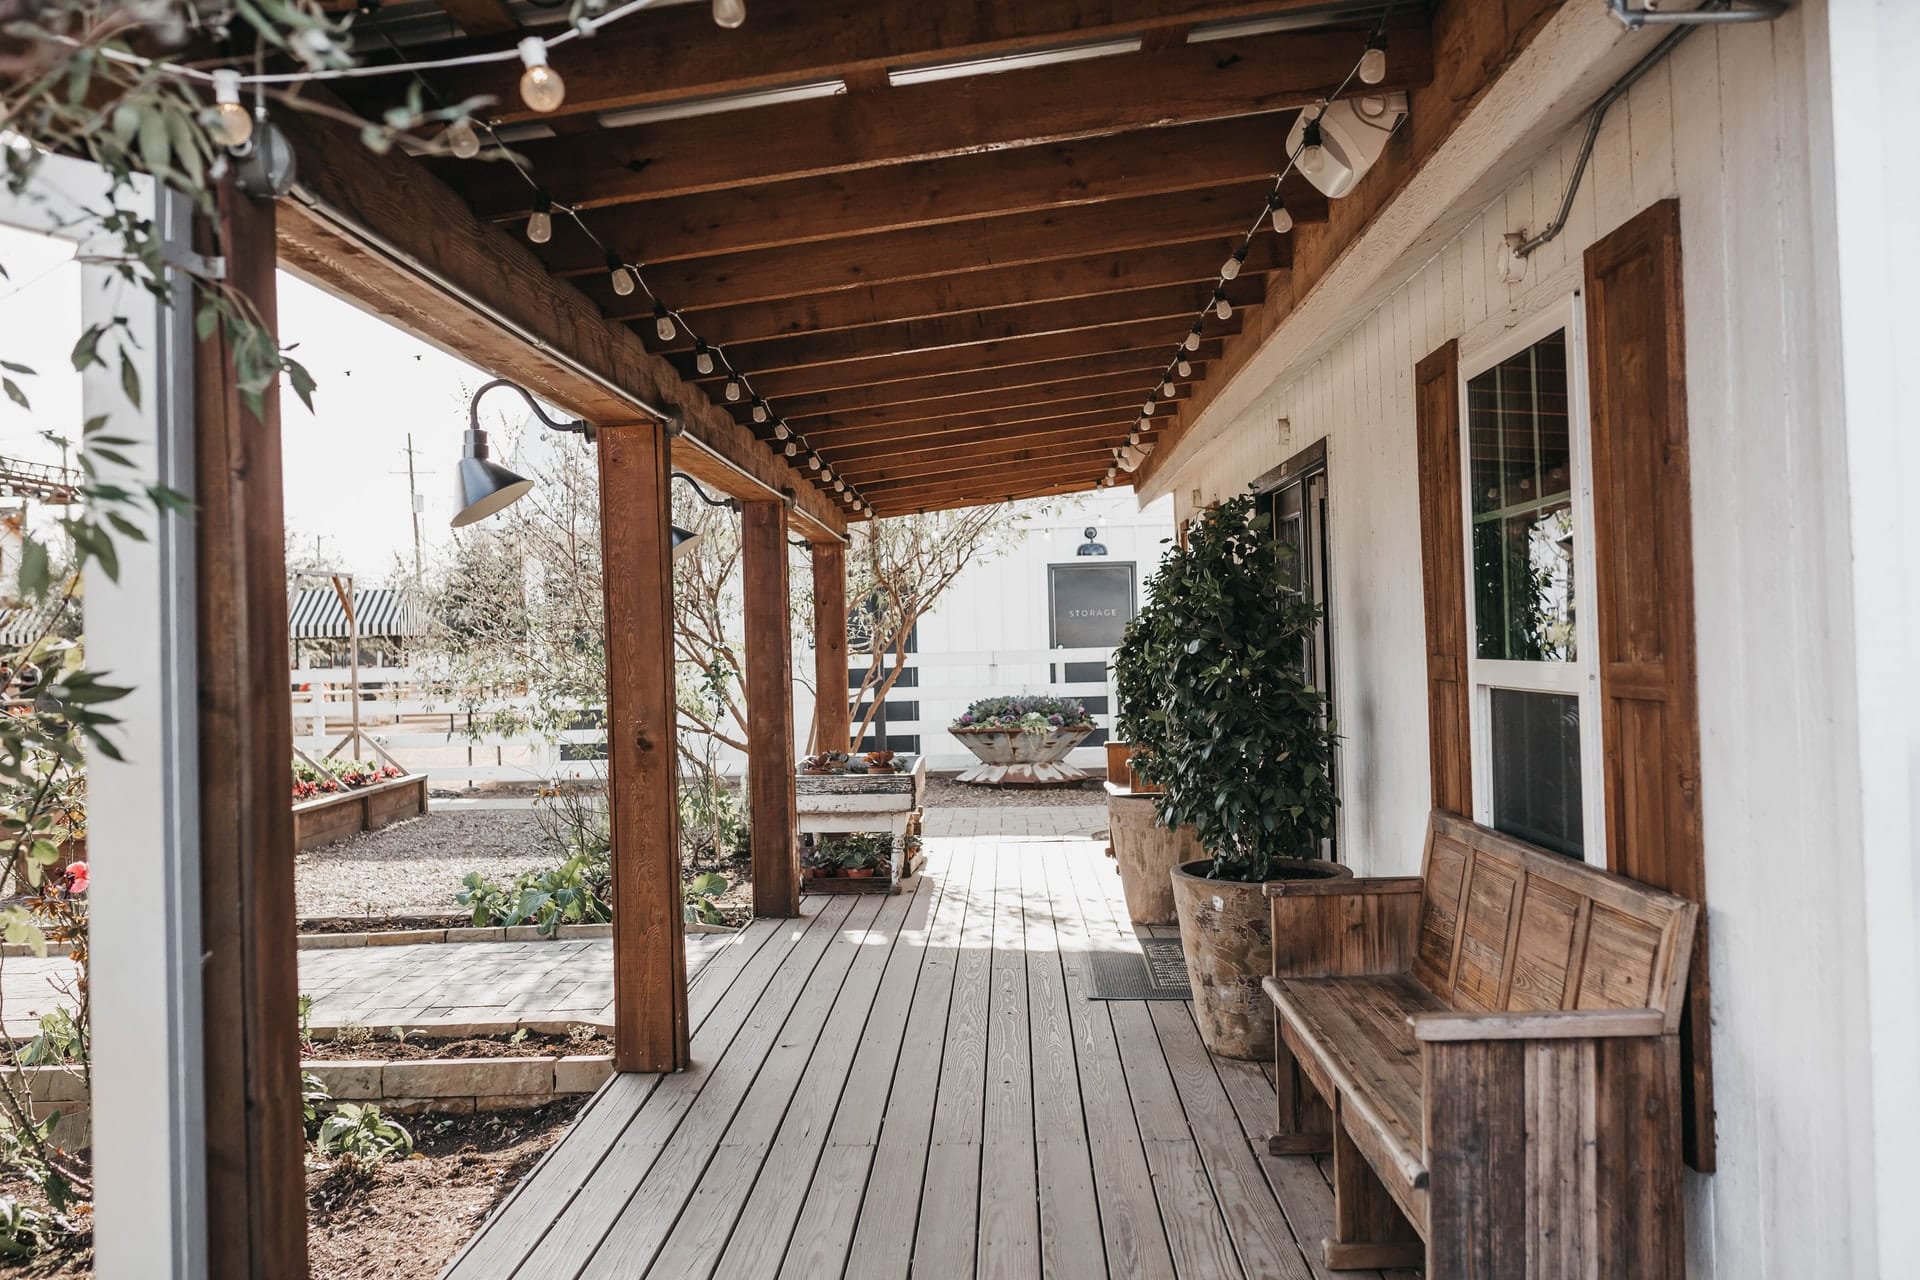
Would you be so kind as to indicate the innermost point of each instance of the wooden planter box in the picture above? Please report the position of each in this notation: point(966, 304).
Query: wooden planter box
point(324, 819)
point(851, 802)
point(1009, 757)
point(1120, 770)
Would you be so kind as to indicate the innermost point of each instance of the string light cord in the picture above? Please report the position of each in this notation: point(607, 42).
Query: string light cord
point(1371, 60)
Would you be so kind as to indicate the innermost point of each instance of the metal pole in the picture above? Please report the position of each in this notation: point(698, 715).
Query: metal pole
point(413, 502)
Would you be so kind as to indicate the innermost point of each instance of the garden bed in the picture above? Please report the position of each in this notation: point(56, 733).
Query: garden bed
point(415, 1048)
point(331, 817)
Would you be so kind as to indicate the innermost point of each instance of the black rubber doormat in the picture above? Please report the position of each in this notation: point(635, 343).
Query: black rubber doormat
point(1157, 970)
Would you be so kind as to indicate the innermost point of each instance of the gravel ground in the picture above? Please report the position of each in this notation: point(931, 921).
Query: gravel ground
point(413, 867)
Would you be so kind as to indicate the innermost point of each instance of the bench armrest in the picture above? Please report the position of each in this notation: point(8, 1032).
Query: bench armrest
point(1568, 1024)
point(1344, 928)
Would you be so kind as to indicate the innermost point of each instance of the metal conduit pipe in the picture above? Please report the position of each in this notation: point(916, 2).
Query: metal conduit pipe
point(1761, 11)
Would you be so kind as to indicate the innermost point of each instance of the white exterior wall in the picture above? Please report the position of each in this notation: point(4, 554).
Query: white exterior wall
point(1736, 125)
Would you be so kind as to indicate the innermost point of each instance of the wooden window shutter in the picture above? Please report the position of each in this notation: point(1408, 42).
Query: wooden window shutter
point(1436, 391)
point(1649, 701)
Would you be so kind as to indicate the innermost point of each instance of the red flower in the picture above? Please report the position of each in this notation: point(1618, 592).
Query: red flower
point(77, 880)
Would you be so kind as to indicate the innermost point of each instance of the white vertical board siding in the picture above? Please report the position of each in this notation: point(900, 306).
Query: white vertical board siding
point(1732, 124)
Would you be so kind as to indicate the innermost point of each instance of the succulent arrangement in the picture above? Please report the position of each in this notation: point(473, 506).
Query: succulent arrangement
point(1036, 713)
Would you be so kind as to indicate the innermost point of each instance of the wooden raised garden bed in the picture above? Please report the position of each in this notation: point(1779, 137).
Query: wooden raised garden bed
point(327, 818)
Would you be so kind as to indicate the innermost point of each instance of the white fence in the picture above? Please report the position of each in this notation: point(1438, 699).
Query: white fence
point(439, 736)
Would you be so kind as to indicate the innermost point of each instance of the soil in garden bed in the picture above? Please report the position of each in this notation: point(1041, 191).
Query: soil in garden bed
point(382, 924)
point(407, 1218)
point(414, 1048)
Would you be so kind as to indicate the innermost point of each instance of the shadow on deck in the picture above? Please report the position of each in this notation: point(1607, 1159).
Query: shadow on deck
point(915, 1084)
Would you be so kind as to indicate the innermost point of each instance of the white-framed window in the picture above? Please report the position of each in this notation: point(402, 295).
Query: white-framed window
point(1527, 500)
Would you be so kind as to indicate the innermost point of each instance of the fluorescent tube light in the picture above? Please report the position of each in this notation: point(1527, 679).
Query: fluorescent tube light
point(691, 107)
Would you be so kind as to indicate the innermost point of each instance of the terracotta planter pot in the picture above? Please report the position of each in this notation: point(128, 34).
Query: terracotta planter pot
point(1227, 934)
point(1009, 757)
point(1146, 854)
point(861, 873)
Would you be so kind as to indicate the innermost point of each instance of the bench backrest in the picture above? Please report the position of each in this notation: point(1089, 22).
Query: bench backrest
point(1505, 926)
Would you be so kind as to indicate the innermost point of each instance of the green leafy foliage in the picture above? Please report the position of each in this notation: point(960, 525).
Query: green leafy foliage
point(361, 1136)
point(701, 896)
point(1211, 683)
point(578, 891)
point(59, 1041)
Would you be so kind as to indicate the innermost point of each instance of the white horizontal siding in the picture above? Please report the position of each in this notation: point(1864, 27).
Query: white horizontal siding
point(1730, 125)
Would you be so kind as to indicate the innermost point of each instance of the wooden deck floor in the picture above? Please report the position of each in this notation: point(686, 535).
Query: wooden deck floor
point(915, 1085)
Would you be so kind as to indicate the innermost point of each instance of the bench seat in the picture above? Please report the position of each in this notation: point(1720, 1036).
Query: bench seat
point(1489, 1050)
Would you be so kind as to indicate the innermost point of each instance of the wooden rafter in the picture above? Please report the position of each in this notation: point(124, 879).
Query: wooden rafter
point(1188, 84)
point(1142, 362)
point(1118, 406)
point(675, 53)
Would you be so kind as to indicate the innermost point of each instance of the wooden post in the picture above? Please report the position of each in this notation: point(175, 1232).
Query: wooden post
point(770, 764)
point(832, 719)
point(649, 947)
point(256, 1189)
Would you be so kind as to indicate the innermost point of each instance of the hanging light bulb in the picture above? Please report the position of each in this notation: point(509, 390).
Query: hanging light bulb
point(702, 357)
point(1373, 63)
point(729, 13)
point(1231, 267)
point(839, 485)
point(236, 123)
point(663, 322)
point(1192, 341)
point(1282, 220)
point(1145, 425)
point(541, 87)
point(790, 449)
point(1133, 437)
point(1183, 367)
point(1221, 307)
point(462, 140)
point(781, 431)
point(1146, 410)
point(759, 410)
point(621, 277)
point(814, 463)
point(1313, 156)
point(733, 391)
point(540, 221)
point(1166, 388)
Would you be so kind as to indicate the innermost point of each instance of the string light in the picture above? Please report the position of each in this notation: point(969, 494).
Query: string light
point(759, 410)
point(781, 430)
point(1146, 410)
point(839, 485)
point(663, 322)
point(462, 140)
point(814, 463)
point(1231, 267)
point(702, 357)
point(1373, 63)
point(733, 387)
point(790, 448)
point(622, 278)
point(1313, 156)
point(1183, 367)
point(729, 13)
point(1166, 389)
point(541, 87)
point(540, 221)
point(1282, 220)
point(235, 121)
point(1192, 341)
point(1221, 307)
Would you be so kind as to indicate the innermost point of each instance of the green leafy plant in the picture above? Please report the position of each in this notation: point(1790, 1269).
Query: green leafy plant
point(313, 1097)
point(1212, 686)
point(23, 1229)
point(858, 850)
point(59, 1041)
point(578, 891)
point(700, 896)
point(1035, 713)
point(360, 1136)
point(352, 1035)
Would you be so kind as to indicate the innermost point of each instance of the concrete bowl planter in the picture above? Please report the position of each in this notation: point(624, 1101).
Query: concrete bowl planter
point(1226, 931)
point(1012, 758)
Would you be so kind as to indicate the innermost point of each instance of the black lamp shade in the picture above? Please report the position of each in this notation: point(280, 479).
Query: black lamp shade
point(482, 486)
point(682, 541)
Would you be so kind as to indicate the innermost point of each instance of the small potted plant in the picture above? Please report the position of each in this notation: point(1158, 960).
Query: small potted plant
point(819, 763)
point(860, 855)
point(880, 762)
point(821, 862)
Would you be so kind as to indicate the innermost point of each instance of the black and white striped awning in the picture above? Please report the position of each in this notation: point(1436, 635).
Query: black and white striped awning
point(316, 614)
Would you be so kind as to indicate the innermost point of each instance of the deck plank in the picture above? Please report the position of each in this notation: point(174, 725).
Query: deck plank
point(1130, 1226)
point(918, 1085)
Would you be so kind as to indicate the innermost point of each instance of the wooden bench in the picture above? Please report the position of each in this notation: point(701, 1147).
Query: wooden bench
point(1489, 1050)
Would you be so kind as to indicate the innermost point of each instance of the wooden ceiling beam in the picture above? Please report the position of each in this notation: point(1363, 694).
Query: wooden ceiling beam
point(907, 504)
point(969, 488)
point(970, 292)
point(481, 17)
point(1016, 467)
point(382, 232)
point(1106, 429)
point(1156, 336)
point(937, 389)
point(928, 252)
point(675, 53)
point(1093, 98)
point(956, 333)
point(866, 202)
point(1118, 405)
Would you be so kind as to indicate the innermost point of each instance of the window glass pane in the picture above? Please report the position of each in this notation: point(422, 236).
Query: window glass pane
point(1519, 464)
point(1536, 768)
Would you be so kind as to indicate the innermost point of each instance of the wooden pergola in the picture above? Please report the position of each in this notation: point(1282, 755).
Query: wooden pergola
point(956, 272)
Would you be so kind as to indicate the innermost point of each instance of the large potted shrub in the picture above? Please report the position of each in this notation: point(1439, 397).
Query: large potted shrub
point(1023, 740)
point(1214, 697)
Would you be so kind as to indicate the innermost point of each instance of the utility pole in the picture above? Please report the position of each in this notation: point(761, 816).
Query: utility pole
point(413, 501)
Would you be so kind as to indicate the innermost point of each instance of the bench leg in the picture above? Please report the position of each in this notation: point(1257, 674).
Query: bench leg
point(1369, 1229)
point(1303, 1123)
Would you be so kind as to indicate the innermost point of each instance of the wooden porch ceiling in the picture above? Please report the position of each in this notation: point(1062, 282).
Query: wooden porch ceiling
point(951, 287)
